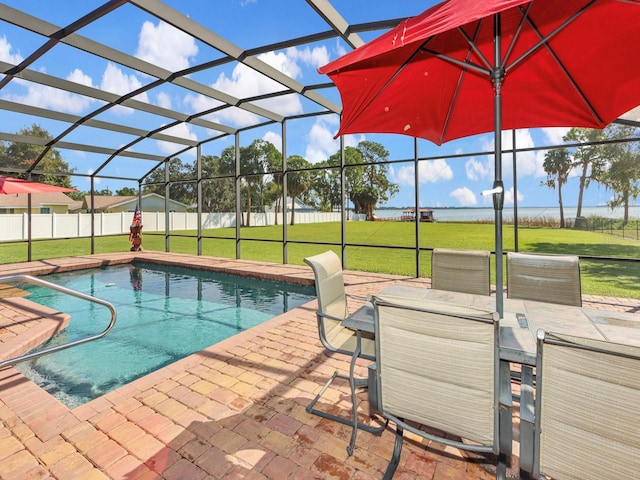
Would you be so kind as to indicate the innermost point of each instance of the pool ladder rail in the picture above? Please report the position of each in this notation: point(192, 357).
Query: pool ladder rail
point(67, 291)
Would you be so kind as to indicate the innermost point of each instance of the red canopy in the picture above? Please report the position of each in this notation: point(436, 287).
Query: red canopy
point(430, 77)
point(11, 185)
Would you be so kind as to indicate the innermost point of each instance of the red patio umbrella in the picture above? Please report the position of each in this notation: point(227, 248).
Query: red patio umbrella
point(465, 67)
point(11, 185)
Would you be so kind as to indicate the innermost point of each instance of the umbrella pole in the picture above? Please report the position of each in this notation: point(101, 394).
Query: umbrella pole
point(497, 75)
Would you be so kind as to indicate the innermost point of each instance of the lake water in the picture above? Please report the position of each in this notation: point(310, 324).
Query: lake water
point(476, 214)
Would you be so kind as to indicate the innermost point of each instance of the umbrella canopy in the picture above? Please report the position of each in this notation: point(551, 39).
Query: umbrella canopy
point(465, 67)
point(568, 63)
point(11, 185)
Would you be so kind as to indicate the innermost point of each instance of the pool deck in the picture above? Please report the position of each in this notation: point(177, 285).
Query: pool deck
point(233, 411)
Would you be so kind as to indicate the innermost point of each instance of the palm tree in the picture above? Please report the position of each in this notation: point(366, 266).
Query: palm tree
point(298, 181)
point(557, 164)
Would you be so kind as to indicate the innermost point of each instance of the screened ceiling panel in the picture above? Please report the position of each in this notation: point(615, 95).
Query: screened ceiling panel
point(122, 85)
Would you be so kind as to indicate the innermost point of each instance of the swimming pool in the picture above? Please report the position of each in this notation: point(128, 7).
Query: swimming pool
point(164, 314)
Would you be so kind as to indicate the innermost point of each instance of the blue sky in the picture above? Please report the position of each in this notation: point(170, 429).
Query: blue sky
point(451, 182)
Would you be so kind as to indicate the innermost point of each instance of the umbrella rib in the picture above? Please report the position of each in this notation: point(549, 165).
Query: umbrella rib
point(467, 63)
point(472, 45)
point(523, 19)
point(544, 41)
point(464, 64)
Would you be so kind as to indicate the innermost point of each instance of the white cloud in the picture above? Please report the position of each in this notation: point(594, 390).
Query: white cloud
point(114, 80)
point(554, 134)
point(340, 50)
point(6, 54)
point(528, 163)
point(59, 100)
point(320, 142)
point(315, 57)
point(78, 76)
point(245, 82)
point(477, 170)
point(508, 197)
point(164, 100)
point(274, 138)
point(165, 46)
point(464, 196)
point(430, 171)
point(180, 130)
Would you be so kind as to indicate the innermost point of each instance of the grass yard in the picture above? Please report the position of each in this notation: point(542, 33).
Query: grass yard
point(610, 278)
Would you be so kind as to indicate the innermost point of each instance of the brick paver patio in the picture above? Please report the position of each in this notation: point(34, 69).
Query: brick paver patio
point(233, 411)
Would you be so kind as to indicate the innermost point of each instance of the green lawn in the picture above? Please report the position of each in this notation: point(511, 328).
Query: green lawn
point(611, 278)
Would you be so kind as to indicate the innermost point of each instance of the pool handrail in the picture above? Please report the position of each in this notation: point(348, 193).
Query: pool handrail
point(43, 283)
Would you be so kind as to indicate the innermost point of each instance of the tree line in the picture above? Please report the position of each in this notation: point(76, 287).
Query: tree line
point(601, 156)
point(262, 177)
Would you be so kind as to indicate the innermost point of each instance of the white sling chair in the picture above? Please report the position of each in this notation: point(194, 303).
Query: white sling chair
point(332, 309)
point(544, 278)
point(438, 365)
point(587, 409)
point(466, 271)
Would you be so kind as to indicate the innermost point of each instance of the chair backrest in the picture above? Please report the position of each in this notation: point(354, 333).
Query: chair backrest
point(438, 365)
point(332, 304)
point(544, 278)
point(587, 409)
point(329, 279)
point(466, 271)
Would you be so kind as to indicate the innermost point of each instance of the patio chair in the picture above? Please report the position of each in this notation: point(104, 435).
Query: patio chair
point(466, 271)
point(438, 367)
point(544, 278)
point(332, 309)
point(587, 408)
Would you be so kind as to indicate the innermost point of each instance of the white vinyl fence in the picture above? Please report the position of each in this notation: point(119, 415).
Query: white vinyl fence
point(43, 226)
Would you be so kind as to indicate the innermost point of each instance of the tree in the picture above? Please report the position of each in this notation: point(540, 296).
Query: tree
point(254, 162)
point(622, 176)
point(588, 158)
point(24, 155)
point(325, 186)
point(353, 176)
point(298, 181)
point(376, 186)
point(366, 177)
point(180, 176)
point(557, 164)
point(127, 191)
point(218, 194)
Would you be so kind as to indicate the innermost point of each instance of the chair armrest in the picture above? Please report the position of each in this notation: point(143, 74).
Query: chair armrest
point(330, 317)
point(359, 297)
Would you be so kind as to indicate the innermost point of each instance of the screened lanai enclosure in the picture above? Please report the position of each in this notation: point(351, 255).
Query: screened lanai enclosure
point(216, 123)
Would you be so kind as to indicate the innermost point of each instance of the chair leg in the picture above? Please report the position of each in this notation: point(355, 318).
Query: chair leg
point(358, 383)
point(313, 402)
point(501, 469)
point(395, 458)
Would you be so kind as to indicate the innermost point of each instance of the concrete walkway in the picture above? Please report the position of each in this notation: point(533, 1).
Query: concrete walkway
point(233, 411)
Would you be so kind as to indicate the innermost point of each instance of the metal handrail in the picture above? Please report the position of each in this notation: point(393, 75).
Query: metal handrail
point(68, 291)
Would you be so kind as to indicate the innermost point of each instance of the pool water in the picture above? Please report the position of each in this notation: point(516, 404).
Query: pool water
point(164, 314)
